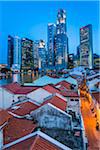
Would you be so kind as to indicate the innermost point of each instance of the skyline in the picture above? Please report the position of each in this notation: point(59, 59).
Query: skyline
point(16, 21)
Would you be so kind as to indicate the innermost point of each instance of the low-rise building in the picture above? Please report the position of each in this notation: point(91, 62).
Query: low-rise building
point(12, 93)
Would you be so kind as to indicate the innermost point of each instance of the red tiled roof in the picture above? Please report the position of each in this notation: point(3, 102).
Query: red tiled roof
point(17, 128)
point(42, 144)
point(58, 102)
point(16, 88)
point(51, 89)
point(69, 93)
point(4, 116)
point(24, 108)
point(34, 143)
point(96, 96)
point(64, 84)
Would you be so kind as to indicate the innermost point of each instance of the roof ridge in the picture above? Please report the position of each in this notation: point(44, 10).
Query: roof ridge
point(36, 138)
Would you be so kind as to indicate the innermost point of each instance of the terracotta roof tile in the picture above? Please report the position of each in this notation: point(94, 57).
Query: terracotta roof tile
point(23, 108)
point(17, 128)
point(4, 116)
point(16, 88)
point(51, 89)
point(34, 143)
point(96, 96)
point(70, 93)
point(58, 102)
point(64, 84)
point(64, 92)
point(42, 144)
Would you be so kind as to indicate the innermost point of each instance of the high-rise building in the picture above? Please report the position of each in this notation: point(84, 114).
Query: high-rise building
point(50, 44)
point(77, 57)
point(42, 55)
point(27, 54)
point(70, 61)
point(96, 61)
point(61, 22)
point(86, 47)
point(39, 55)
point(61, 41)
point(36, 54)
point(10, 51)
point(78, 52)
point(17, 54)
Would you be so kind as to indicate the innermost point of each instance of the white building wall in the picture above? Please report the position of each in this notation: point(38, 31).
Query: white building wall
point(73, 105)
point(16, 97)
point(7, 98)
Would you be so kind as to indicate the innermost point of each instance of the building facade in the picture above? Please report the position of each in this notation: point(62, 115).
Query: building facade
point(27, 54)
point(36, 54)
point(17, 54)
point(96, 60)
point(50, 45)
point(61, 41)
point(10, 51)
point(86, 47)
point(40, 59)
point(42, 55)
point(71, 61)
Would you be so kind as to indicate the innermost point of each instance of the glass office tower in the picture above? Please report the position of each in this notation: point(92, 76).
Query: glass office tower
point(10, 51)
point(61, 41)
point(40, 55)
point(86, 47)
point(50, 44)
point(27, 54)
point(36, 54)
point(17, 54)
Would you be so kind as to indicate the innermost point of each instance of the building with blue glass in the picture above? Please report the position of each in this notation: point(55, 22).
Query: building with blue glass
point(61, 41)
point(27, 54)
point(50, 45)
point(17, 54)
point(86, 46)
point(10, 51)
point(35, 54)
point(40, 57)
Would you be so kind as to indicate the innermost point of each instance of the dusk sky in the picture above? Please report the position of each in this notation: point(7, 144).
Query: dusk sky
point(30, 19)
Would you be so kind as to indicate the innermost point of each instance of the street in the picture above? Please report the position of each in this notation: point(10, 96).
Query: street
point(92, 134)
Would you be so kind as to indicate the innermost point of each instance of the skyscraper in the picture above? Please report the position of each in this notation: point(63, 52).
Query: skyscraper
point(39, 55)
point(86, 47)
point(27, 54)
point(51, 36)
point(61, 22)
point(35, 54)
point(42, 55)
point(10, 51)
point(17, 54)
point(71, 61)
point(61, 41)
point(77, 57)
point(78, 52)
